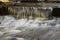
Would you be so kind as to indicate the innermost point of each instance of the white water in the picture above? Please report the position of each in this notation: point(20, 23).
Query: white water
point(10, 27)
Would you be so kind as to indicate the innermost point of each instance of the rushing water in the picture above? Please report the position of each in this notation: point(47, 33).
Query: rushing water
point(32, 29)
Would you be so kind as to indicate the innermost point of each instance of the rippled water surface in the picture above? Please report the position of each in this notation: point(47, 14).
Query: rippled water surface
point(23, 29)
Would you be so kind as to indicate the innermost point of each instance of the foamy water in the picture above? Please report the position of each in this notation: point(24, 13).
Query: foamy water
point(23, 29)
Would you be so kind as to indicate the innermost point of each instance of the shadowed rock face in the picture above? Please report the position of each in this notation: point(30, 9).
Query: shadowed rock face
point(56, 12)
point(30, 1)
point(3, 9)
